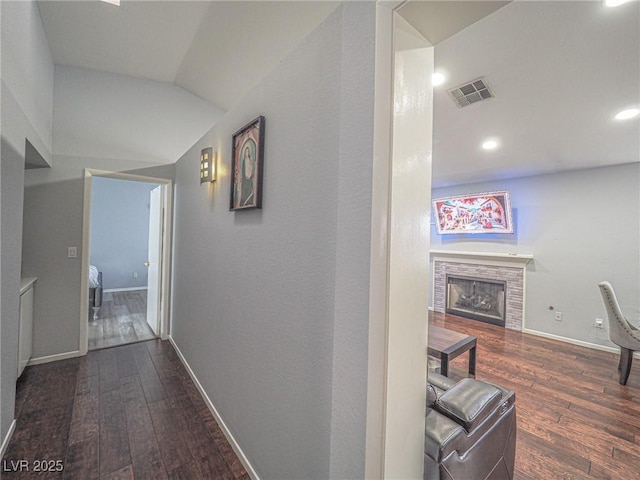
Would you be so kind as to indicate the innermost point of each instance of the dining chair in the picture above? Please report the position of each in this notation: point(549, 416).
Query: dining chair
point(621, 332)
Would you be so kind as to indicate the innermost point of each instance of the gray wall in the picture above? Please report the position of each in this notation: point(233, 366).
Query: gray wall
point(120, 231)
point(53, 206)
point(582, 227)
point(260, 297)
point(26, 113)
point(11, 188)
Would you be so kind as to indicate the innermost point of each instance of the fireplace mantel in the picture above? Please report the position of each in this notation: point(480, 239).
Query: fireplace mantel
point(517, 260)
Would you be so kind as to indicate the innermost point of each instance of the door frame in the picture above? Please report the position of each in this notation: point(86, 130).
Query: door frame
point(393, 431)
point(167, 220)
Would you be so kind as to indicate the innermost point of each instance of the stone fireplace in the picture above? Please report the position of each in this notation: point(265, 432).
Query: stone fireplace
point(500, 301)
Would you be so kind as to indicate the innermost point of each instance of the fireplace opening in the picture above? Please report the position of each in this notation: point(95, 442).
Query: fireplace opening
point(476, 298)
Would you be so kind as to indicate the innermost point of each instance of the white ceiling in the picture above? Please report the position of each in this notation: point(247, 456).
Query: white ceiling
point(438, 20)
point(559, 70)
point(217, 50)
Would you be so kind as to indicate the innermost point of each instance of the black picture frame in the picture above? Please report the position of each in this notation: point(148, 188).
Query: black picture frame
point(247, 166)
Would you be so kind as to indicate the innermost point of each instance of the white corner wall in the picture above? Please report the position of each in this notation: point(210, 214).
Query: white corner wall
point(581, 227)
point(260, 297)
point(408, 254)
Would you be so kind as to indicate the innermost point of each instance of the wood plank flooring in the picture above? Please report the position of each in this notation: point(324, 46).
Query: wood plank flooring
point(128, 412)
point(133, 412)
point(575, 421)
point(121, 319)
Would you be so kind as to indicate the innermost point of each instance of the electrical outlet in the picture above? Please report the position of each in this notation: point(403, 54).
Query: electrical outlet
point(135, 274)
point(599, 323)
point(558, 316)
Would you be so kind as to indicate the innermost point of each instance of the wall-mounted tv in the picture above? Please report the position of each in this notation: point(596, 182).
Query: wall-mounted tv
point(488, 212)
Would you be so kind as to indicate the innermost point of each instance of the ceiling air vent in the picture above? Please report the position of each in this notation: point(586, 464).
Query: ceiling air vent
point(471, 92)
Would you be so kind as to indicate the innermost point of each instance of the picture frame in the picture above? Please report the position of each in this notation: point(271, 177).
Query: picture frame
point(487, 212)
point(247, 166)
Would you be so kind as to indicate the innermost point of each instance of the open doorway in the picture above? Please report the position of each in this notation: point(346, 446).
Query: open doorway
point(125, 259)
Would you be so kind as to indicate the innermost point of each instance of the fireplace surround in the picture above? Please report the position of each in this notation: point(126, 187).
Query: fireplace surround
point(497, 267)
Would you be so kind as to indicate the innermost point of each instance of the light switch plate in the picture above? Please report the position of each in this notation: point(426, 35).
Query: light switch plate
point(72, 252)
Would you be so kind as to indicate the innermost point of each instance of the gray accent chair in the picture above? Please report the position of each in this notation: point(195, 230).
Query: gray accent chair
point(621, 332)
point(470, 430)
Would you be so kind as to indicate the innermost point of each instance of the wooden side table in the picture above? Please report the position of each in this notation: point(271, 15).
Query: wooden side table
point(446, 345)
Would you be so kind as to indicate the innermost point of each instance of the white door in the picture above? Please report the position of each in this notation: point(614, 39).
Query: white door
point(153, 263)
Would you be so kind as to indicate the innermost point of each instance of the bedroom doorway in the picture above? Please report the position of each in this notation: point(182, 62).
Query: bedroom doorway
point(125, 254)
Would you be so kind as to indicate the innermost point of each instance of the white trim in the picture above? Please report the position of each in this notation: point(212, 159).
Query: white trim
point(83, 345)
point(7, 438)
point(54, 358)
point(126, 289)
point(167, 245)
point(167, 249)
point(379, 271)
point(572, 341)
point(227, 433)
point(516, 260)
point(27, 283)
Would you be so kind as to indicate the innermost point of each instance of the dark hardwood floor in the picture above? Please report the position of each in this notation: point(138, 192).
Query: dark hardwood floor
point(121, 319)
point(133, 412)
point(118, 413)
point(575, 421)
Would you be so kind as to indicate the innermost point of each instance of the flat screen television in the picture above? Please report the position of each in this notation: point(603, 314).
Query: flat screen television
point(488, 212)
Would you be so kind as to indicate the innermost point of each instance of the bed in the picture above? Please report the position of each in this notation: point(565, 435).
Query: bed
point(95, 290)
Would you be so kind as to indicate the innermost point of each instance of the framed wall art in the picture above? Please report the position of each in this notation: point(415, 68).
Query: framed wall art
point(488, 212)
point(247, 166)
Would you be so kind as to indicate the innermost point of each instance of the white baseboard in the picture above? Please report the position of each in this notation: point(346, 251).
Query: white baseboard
point(127, 289)
point(54, 358)
point(572, 341)
point(216, 415)
point(7, 438)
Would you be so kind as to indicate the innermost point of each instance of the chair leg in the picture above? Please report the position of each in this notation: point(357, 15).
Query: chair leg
point(626, 357)
point(621, 359)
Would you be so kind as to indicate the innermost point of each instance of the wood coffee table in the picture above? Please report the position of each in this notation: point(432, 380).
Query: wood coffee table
point(446, 345)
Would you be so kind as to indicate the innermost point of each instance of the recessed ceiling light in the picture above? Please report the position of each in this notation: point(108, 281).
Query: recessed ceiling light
point(615, 3)
point(112, 2)
point(438, 78)
point(627, 114)
point(490, 144)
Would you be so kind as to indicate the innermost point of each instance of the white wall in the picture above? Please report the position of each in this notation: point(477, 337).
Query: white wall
point(27, 93)
point(120, 231)
point(408, 256)
point(582, 227)
point(261, 296)
point(27, 75)
point(104, 115)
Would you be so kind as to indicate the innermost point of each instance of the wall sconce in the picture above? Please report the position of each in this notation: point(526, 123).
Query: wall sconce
point(207, 165)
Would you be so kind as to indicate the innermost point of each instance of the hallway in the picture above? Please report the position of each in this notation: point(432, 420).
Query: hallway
point(119, 413)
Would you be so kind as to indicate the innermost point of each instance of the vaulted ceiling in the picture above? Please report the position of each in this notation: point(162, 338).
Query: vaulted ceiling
point(559, 70)
point(217, 50)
